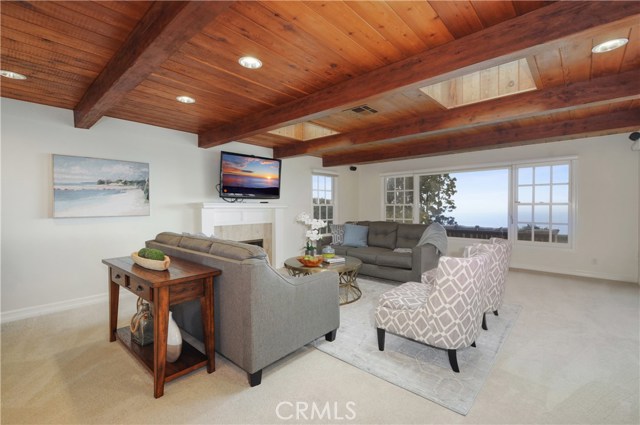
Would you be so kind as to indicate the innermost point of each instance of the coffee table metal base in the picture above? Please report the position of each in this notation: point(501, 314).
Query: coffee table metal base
point(349, 289)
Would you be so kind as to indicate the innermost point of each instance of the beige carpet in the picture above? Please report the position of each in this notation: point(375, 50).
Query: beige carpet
point(417, 367)
point(572, 357)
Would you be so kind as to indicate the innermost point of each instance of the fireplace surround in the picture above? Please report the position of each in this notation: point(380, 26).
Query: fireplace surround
point(260, 221)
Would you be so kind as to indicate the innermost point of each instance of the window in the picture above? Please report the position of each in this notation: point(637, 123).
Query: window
point(399, 199)
point(469, 204)
point(543, 207)
point(476, 203)
point(323, 188)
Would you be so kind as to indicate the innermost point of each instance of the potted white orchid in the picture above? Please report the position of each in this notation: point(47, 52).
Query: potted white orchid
point(312, 234)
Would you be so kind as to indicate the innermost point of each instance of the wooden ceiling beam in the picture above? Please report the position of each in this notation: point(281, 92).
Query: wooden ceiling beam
point(540, 102)
point(523, 36)
point(493, 138)
point(166, 26)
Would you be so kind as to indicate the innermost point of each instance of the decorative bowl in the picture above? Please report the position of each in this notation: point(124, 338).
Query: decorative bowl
point(310, 262)
point(151, 264)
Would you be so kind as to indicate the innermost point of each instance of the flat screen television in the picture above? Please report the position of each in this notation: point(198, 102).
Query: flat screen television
point(249, 176)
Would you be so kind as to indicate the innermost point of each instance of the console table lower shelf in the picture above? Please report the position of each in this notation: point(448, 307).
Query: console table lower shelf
point(190, 358)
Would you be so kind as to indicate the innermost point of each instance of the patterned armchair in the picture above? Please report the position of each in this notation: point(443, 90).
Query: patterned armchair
point(500, 254)
point(446, 314)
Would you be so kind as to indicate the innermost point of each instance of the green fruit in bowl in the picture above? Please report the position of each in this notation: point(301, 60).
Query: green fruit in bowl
point(151, 254)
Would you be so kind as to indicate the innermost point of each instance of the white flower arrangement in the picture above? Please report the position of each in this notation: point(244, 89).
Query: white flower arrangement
point(314, 224)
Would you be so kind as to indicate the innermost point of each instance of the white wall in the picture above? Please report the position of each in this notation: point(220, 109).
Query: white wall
point(51, 264)
point(606, 237)
point(297, 196)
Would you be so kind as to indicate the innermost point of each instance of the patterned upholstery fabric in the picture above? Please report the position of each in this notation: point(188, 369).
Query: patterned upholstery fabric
point(499, 251)
point(337, 234)
point(451, 316)
point(408, 296)
point(429, 277)
point(505, 261)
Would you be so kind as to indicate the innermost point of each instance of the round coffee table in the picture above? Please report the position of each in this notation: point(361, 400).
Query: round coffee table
point(347, 273)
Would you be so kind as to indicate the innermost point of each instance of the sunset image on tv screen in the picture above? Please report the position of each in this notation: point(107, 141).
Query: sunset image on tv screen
point(255, 173)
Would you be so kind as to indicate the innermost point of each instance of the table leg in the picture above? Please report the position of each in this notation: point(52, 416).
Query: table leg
point(160, 326)
point(114, 297)
point(206, 307)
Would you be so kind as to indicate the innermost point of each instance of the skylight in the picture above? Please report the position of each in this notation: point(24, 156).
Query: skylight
point(303, 131)
point(502, 80)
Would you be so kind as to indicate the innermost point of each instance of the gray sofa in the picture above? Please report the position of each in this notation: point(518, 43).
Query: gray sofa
point(381, 259)
point(260, 315)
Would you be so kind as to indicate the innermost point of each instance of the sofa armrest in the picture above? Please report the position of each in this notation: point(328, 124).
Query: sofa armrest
point(287, 313)
point(425, 257)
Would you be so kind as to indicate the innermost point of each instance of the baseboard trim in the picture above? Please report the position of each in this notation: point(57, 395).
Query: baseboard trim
point(40, 310)
point(580, 273)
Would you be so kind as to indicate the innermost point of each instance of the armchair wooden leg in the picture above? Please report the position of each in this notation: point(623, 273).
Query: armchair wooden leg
point(255, 378)
point(381, 339)
point(331, 335)
point(453, 360)
point(473, 344)
point(495, 312)
point(484, 321)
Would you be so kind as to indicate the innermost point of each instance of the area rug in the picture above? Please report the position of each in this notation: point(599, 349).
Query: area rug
point(416, 367)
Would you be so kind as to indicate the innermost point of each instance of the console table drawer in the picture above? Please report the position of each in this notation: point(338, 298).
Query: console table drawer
point(119, 277)
point(141, 289)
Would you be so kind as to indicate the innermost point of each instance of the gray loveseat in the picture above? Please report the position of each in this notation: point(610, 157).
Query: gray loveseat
point(260, 315)
point(393, 252)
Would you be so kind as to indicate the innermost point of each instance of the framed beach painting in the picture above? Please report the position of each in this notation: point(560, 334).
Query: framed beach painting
point(94, 187)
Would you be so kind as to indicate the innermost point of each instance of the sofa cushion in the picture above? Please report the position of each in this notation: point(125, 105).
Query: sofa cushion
point(400, 260)
point(169, 238)
point(382, 234)
point(355, 235)
point(368, 255)
point(409, 234)
point(341, 249)
point(195, 243)
point(236, 250)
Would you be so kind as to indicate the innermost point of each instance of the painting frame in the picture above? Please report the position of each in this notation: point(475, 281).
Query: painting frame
point(99, 187)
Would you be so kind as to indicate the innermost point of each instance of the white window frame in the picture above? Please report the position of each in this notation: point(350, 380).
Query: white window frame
point(513, 229)
point(512, 207)
point(334, 196)
point(384, 196)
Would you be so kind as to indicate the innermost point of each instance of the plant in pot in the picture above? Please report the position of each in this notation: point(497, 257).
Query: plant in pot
point(312, 233)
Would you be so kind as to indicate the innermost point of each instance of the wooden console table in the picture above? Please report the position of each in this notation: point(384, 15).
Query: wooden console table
point(183, 281)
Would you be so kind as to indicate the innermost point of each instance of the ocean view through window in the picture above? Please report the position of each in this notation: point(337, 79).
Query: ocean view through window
point(532, 202)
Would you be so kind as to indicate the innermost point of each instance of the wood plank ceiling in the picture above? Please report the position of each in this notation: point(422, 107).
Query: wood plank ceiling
point(322, 59)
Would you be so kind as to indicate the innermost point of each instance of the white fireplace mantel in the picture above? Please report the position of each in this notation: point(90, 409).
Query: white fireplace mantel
point(229, 214)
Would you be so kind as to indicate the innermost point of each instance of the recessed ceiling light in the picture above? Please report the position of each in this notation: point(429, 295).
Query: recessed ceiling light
point(12, 75)
point(610, 45)
point(250, 62)
point(185, 99)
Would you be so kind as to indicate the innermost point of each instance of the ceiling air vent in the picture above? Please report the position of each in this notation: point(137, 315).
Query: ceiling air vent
point(363, 109)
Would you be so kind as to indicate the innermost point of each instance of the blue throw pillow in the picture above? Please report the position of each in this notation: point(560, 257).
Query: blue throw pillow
point(355, 235)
